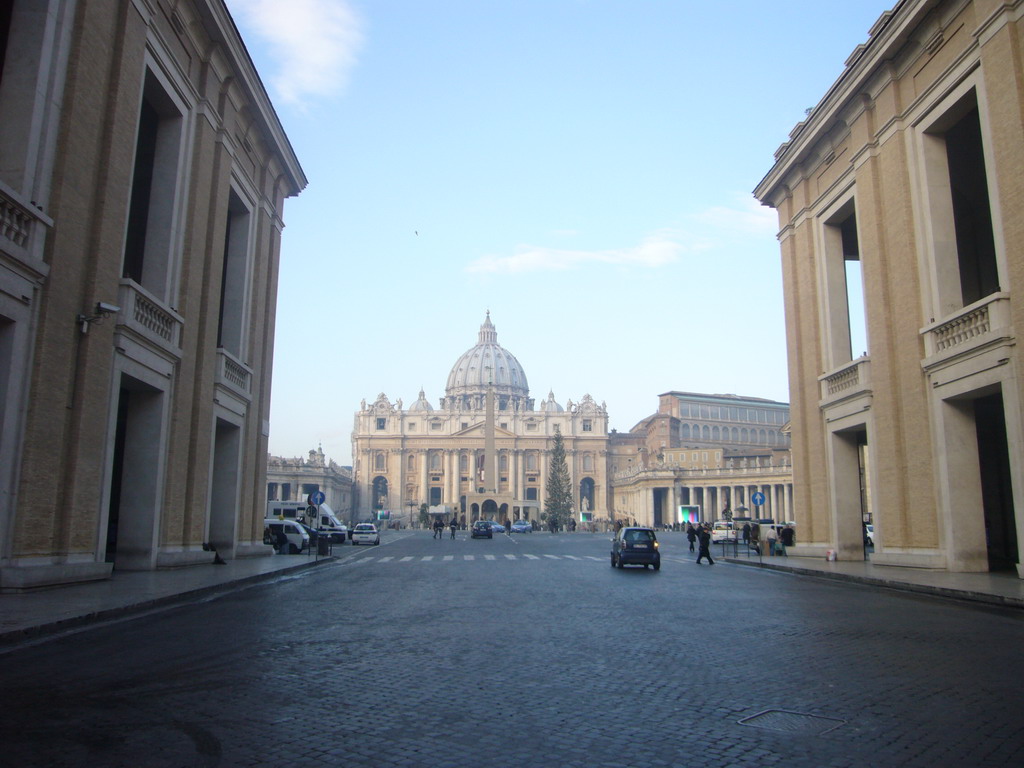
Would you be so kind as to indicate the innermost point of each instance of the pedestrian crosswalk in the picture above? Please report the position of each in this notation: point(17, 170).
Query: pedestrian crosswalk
point(366, 559)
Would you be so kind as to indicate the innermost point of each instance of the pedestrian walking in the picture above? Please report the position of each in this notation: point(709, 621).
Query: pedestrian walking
point(454, 524)
point(787, 536)
point(704, 537)
point(691, 535)
point(438, 528)
point(746, 534)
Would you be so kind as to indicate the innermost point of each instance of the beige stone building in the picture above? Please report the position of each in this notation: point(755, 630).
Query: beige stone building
point(910, 171)
point(406, 457)
point(143, 174)
point(713, 452)
point(293, 479)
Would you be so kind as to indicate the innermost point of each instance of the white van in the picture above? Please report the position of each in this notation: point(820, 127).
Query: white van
point(296, 536)
point(324, 521)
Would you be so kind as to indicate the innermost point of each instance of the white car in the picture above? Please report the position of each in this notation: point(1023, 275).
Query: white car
point(365, 533)
point(723, 530)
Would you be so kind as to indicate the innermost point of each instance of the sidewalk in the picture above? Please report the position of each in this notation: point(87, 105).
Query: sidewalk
point(28, 615)
point(999, 589)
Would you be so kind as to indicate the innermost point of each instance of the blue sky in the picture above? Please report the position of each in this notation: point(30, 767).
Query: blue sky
point(581, 168)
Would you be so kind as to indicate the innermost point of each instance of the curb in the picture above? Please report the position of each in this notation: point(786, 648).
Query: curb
point(998, 601)
point(167, 601)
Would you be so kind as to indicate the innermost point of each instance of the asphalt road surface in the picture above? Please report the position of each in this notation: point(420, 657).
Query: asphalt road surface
point(526, 651)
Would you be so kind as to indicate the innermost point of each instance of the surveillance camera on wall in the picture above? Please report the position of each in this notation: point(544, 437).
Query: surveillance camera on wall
point(106, 309)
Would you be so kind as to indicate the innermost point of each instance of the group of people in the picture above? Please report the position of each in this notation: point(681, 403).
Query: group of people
point(771, 540)
point(439, 526)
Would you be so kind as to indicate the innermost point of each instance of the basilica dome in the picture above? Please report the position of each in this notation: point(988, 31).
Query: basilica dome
point(487, 363)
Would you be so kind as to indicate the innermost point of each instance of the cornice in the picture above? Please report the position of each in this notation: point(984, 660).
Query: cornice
point(888, 36)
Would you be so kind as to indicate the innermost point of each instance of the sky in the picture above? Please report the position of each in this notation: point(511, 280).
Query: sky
point(581, 169)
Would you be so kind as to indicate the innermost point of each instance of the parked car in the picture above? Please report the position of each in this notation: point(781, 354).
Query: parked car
point(497, 527)
point(482, 529)
point(869, 535)
point(636, 546)
point(295, 534)
point(365, 533)
point(522, 526)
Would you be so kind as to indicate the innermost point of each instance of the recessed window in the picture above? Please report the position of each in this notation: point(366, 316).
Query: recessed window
point(588, 425)
point(148, 239)
point(382, 423)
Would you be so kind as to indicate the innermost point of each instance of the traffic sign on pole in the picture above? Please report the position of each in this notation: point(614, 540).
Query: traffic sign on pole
point(757, 499)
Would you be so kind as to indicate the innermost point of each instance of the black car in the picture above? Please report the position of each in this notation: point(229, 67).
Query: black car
point(635, 546)
point(482, 528)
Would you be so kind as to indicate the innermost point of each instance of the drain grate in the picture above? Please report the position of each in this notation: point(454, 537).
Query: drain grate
point(796, 723)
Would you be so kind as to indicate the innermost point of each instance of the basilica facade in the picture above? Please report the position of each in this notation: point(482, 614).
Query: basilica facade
point(483, 451)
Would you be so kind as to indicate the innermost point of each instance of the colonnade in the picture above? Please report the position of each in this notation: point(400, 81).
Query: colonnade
point(638, 502)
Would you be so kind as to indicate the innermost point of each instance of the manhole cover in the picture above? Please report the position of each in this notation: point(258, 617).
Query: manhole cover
point(792, 722)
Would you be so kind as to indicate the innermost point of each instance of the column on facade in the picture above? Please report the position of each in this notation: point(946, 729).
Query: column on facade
point(424, 469)
point(365, 497)
point(451, 458)
point(542, 461)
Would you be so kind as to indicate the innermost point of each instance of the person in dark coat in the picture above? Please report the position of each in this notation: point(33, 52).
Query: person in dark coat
point(454, 525)
point(704, 537)
point(691, 535)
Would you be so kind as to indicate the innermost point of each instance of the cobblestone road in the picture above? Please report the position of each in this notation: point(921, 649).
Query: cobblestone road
point(528, 650)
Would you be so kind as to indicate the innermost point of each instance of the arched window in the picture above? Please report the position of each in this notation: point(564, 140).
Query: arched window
point(706, 432)
point(716, 434)
point(411, 463)
point(463, 462)
point(531, 460)
point(744, 435)
point(762, 437)
point(684, 433)
point(503, 463)
point(435, 461)
point(735, 434)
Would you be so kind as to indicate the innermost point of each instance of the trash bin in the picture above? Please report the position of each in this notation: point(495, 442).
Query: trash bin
point(323, 546)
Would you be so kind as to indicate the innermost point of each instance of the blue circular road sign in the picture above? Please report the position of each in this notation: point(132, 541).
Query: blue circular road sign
point(757, 499)
point(318, 497)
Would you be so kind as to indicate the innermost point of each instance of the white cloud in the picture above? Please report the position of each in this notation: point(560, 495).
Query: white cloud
point(315, 43)
point(655, 251)
point(745, 217)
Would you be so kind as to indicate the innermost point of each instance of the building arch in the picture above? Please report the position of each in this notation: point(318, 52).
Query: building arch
point(380, 492)
point(587, 487)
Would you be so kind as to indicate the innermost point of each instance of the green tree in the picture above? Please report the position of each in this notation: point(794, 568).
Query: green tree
point(558, 504)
